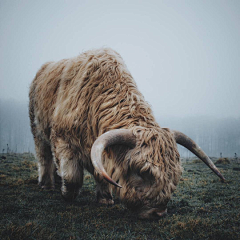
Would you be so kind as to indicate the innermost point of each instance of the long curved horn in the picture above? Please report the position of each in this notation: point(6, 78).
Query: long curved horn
point(116, 136)
point(188, 143)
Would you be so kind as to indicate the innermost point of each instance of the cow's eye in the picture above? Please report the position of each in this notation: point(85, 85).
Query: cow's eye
point(147, 177)
point(144, 175)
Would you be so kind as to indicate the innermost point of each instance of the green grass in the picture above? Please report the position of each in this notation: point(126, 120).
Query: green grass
point(201, 208)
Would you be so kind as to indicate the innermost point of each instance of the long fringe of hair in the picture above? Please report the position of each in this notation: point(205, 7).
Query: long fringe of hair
point(83, 97)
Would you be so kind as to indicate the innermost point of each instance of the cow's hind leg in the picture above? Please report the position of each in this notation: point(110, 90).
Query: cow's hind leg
point(46, 167)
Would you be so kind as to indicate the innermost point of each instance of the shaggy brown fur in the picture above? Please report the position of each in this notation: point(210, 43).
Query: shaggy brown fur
point(74, 101)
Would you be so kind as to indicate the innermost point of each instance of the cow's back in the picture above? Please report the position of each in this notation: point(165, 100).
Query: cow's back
point(85, 96)
point(43, 94)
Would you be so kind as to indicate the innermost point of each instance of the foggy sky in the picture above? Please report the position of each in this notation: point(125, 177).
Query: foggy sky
point(184, 55)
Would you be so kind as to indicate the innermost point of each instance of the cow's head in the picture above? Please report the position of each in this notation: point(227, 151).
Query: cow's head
point(146, 167)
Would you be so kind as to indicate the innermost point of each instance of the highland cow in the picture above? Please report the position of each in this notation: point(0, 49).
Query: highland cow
point(87, 113)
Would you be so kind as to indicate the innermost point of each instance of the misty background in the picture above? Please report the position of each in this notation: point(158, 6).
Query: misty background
point(184, 56)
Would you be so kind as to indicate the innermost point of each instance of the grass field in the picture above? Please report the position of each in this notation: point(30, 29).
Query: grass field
point(201, 208)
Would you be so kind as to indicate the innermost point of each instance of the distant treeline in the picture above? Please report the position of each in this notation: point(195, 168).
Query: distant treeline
point(214, 135)
point(218, 137)
point(15, 134)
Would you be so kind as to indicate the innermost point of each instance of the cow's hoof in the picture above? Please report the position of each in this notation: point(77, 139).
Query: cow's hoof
point(162, 213)
point(46, 186)
point(106, 201)
point(69, 196)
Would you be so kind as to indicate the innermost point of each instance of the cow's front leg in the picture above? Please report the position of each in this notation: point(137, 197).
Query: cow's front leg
point(70, 168)
point(104, 192)
point(72, 178)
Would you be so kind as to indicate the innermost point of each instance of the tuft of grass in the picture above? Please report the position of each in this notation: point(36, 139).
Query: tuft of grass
point(223, 161)
point(196, 161)
point(202, 207)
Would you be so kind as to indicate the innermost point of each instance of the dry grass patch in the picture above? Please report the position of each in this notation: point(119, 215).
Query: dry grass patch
point(202, 207)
